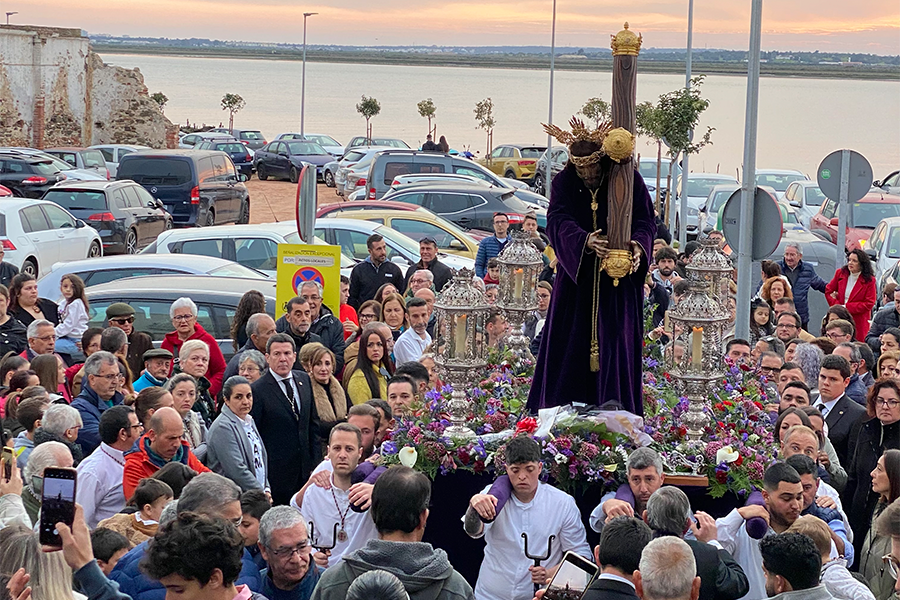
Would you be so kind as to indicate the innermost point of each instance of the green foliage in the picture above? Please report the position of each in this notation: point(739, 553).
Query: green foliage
point(648, 120)
point(597, 110)
point(679, 113)
point(484, 114)
point(232, 103)
point(368, 108)
point(160, 98)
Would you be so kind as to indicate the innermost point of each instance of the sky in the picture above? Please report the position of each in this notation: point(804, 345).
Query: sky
point(869, 26)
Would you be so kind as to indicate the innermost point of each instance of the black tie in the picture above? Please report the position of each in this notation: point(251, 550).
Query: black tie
point(289, 392)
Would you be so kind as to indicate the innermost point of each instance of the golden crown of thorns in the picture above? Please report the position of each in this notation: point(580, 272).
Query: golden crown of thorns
point(618, 151)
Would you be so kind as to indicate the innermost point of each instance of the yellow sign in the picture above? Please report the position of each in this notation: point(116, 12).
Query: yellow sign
point(299, 263)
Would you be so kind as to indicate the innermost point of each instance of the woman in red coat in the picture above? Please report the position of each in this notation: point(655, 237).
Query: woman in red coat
point(854, 286)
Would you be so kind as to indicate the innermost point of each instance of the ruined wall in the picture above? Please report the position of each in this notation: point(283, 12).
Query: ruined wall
point(55, 92)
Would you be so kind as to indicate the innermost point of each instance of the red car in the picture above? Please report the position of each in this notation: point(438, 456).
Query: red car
point(5, 192)
point(864, 215)
point(363, 205)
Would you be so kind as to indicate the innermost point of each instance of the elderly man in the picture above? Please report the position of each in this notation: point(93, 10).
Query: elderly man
point(60, 423)
point(372, 273)
point(668, 513)
point(296, 323)
point(412, 343)
point(423, 279)
point(855, 388)
point(324, 323)
point(99, 490)
point(441, 273)
point(161, 445)
point(644, 470)
point(41, 336)
point(48, 454)
point(184, 318)
point(260, 327)
point(887, 317)
point(666, 571)
point(801, 276)
point(157, 365)
point(99, 391)
point(121, 315)
point(112, 340)
point(285, 414)
point(285, 545)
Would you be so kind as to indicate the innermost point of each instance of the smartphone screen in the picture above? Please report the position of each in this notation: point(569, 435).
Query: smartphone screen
point(572, 578)
point(57, 503)
point(8, 459)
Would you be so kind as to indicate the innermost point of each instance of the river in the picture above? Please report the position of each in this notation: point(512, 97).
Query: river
point(800, 120)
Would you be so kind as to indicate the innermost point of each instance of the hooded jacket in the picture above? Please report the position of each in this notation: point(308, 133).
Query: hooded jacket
point(217, 364)
point(424, 571)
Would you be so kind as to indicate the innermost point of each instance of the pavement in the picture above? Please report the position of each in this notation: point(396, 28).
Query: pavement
point(277, 200)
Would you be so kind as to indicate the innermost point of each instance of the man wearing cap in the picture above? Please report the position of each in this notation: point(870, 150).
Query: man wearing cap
point(157, 364)
point(121, 315)
point(428, 251)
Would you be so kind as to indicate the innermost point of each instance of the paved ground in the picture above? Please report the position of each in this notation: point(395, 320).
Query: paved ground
point(277, 200)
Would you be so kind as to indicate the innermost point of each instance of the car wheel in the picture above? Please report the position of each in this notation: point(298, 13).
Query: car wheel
point(29, 267)
point(244, 216)
point(329, 179)
point(131, 242)
point(170, 224)
point(261, 172)
point(94, 251)
point(210, 218)
point(295, 175)
point(539, 184)
point(510, 174)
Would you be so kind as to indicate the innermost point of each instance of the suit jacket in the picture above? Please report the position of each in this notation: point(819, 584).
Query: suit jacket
point(230, 453)
point(291, 444)
point(608, 589)
point(721, 577)
point(843, 421)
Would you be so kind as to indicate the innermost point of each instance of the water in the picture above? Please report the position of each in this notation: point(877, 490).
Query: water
point(800, 120)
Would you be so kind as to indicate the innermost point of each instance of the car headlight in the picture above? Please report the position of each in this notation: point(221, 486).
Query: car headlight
point(693, 212)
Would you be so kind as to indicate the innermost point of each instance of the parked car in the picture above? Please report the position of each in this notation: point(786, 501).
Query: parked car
point(82, 158)
point(355, 178)
point(198, 187)
point(362, 140)
point(699, 185)
point(469, 205)
point(127, 217)
point(253, 246)
point(150, 297)
point(806, 197)
point(191, 140)
point(558, 156)
point(864, 215)
point(516, 161)
point(790, 220)
point(890, 184)
point(252, 138)
point(416, 179)
point(891, 275)
point(113, 153)
point(331, 172)
point(285, 159)
point(236, 151)
point(711, 211)
point(106, 269)
point(28, 176)
point(647, 167)
point(779, 179)
point(342, 209)
point(883, 246)
point(351, 236)
point(5, 192)
point(71, 173)
point(331, 145)
point(35, 234)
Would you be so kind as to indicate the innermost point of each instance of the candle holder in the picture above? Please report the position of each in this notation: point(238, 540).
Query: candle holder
point(460, 349)
point(520, 270)
point(712, 266)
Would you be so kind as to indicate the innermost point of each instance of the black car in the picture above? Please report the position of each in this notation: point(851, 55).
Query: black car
point(198, 187)
point(235, 150)
point(28, 176)
point(285, 159)
point(125, 215)
point(469, 205)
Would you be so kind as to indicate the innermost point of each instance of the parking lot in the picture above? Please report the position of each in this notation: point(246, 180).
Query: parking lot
point(276, 200)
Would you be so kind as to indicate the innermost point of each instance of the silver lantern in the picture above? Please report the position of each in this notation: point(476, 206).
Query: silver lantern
point(460, 345)
point(520, 270)
point(710, 265)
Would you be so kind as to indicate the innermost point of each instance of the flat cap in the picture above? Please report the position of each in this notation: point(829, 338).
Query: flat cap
point(119, 309)
point(157, 353)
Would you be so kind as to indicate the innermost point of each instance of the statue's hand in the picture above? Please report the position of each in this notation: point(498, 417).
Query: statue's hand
point(636, 254)
point(596, 243)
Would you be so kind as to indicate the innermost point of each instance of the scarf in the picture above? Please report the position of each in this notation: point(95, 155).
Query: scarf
point(333, 409)
point(192, 434)
point(158, 461)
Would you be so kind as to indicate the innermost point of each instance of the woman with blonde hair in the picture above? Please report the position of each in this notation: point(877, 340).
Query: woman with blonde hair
point(782, 289)
point(331, 401)
point(887, 364)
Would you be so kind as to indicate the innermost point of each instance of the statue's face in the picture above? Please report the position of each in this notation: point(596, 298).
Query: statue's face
point(590, 174)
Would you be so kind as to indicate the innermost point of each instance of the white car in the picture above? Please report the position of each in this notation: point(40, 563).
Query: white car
point(779, 179)
point(253, 246)
point(113, 153)
point(35, 234)
point(331, 145)
point(191, 140)
point(806, 197)
point(347, 162)
point(699, 185)
point(883, 246)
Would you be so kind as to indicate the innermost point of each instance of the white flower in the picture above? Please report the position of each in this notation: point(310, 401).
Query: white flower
point(561, 459)
point(726, 454)
point(408, 456)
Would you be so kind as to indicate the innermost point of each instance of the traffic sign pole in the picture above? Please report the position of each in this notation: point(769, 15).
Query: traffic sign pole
point(854, 182)
point(843, 207)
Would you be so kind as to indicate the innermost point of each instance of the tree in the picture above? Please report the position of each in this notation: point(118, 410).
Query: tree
point(232, 103)
point(484, 116)
point(368, 108)
point(160, 99)
point(597, 110)
point(427, 110)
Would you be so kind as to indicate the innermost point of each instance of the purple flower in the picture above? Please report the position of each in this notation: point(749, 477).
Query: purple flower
point(389, 448)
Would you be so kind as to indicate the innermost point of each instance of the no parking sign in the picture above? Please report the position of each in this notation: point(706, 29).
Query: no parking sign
point(299, 263)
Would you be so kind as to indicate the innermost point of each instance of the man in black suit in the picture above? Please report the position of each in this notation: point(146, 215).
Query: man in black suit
point(619, 555)
point(669, 513)
point(285, 414)
point(841, 413)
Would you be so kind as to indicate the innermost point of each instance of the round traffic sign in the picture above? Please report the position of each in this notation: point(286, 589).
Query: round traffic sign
point(859, 177)
point(766, 227)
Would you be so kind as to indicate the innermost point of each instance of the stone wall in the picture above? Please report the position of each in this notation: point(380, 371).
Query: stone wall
point(55, 92)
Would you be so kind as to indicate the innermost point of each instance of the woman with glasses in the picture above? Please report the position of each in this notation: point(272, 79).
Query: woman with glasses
point(880, 574)
point(881, 432)
point(252, 365)
point(183, 313)
point(854, 286)
point(26, 306)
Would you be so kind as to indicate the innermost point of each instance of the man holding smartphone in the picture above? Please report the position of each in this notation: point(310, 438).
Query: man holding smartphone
point(536, 509)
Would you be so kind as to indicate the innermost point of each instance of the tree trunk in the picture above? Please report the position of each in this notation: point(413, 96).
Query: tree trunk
point(231, 122)
point(658, 167)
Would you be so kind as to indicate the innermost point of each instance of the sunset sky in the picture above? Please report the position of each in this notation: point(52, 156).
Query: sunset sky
point(870, 26)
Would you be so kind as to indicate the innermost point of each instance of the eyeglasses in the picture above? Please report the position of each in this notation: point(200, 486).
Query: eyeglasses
point(182, 317)
point(887, 402)
point(110, 377)
point(122, 320)
point(314, 297)
point(301, 549)
point(369, 316)
point(836, 335)
point(47, 338)
point(892, 564)
point(786, 326)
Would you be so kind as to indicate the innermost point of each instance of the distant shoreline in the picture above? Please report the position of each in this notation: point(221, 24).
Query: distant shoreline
point(874, 73)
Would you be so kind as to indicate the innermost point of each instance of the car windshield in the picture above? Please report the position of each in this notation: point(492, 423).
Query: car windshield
point(647, 169)
point(93, 158)
point(232, 148)
point(155, 171)
point(719, 200)
point(77, 199)
point(294, 238)
point(779, 182)
point(352, 157)
point(398, 240)
point(61, 164)
point(389, 142)
point(532, 152)
point(893, 247)
point(306, 148)
point(322, 140)
point(512, 202)
point(866, 215)
point(788, 216)
point(702, 187)
point(814, 196)
point(235, 270)
point(44, 168)
point(252, 135)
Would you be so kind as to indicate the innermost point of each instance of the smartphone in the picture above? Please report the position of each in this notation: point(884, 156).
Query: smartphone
point(8, 460)
point(572, 578)
point(57, 503)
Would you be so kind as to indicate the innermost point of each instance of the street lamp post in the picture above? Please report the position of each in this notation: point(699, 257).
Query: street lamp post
point(9, 14)
point(547, 180)
point(682, 235)
point(303, 75)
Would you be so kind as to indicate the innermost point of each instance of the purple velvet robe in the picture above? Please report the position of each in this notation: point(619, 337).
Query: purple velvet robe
point(563, 373)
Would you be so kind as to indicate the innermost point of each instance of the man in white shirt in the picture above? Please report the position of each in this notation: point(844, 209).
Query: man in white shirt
point(99, 489)
point(412, 343)
point(535, 509)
